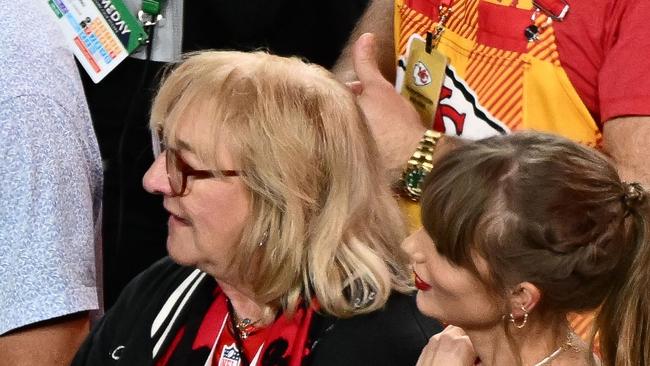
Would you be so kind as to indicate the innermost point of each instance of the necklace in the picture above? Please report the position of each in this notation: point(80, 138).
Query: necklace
point(567, 345)
point(242, 327)
point(550, 357)
point(245, 327)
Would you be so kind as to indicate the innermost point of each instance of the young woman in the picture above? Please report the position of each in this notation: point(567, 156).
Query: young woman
point(520, 230)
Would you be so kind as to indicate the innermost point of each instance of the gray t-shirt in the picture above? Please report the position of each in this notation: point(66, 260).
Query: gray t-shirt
point(50, 173)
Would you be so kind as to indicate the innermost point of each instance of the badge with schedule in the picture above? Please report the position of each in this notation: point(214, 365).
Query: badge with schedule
point(102, 33)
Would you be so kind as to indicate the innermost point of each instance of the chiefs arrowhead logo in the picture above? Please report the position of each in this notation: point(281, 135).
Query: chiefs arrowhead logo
point(421, 75)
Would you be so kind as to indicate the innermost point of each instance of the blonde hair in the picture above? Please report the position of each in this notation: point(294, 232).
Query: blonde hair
point(542, 209)
point(330, 227)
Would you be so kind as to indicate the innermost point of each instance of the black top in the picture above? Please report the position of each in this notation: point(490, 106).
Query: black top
point(393, 336)
point(315, 30)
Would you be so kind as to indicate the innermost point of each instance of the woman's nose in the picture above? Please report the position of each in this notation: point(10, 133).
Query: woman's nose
point(155, 180)
point(411, 246)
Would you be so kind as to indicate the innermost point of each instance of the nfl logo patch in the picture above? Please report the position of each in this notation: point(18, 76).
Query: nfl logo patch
point(421, 76)
point(229, 356)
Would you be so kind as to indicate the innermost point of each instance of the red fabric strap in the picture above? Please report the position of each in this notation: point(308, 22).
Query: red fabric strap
point(553, 8)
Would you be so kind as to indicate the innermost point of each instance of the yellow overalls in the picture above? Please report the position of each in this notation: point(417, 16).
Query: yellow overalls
point(524, 88)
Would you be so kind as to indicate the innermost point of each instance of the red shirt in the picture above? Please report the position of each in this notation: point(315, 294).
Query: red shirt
point(602, 46)
point(606, 53)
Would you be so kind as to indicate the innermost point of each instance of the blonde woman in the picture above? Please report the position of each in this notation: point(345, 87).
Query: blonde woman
point(519, 231)
point(283, 238)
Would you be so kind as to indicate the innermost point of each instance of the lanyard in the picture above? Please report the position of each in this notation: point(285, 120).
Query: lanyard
point(149, 14)
point(152, 7)
point(444, 11)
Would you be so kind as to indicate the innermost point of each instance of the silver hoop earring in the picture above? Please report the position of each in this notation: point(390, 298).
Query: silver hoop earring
point(512, 319)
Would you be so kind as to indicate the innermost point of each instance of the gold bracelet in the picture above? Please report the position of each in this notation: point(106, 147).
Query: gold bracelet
point(419, 165)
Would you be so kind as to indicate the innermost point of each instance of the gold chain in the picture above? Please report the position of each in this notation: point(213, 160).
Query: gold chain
point(445, 13)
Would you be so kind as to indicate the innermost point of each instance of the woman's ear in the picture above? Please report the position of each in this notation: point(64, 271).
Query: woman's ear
point(523, 298)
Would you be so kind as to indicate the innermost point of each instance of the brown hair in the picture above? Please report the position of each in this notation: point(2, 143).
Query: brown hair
point(329, 225)
point(545, 210)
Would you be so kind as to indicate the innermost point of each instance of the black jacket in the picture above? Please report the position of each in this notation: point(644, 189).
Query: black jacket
point(152, 307)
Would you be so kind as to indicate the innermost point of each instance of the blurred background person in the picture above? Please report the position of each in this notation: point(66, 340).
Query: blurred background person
point(519, 231)
point(50, 193)
point(283, 243)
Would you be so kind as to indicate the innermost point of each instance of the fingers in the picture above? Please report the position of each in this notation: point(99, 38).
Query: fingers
point(364, 59)
point(428, 353)
point(454, 347)
point(451, 347)
point(451, 331)
point(355, 86)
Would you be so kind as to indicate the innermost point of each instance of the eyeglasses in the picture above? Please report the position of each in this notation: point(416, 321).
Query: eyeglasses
point(178, 171)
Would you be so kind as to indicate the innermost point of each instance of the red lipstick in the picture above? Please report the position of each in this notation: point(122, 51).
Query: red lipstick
point(420, 284)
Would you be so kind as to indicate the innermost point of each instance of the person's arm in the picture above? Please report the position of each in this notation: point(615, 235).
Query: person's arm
point(624, 90)
point(627, 141)
point(53, 342)
point(395, 124)
point(377, 19)
point(48, 281)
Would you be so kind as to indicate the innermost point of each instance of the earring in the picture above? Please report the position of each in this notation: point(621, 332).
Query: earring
point(512, 319)
point(265, 236)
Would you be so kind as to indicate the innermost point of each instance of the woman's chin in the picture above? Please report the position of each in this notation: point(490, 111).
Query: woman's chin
point(178, 253)
point(426, 307)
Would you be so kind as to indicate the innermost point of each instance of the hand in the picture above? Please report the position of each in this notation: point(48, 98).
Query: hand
point(451, 347)
point(395, 124)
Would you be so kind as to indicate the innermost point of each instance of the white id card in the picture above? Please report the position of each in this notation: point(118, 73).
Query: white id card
point(102, 33)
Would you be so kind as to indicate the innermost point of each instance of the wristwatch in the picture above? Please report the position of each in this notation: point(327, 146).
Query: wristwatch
point(419, 165)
